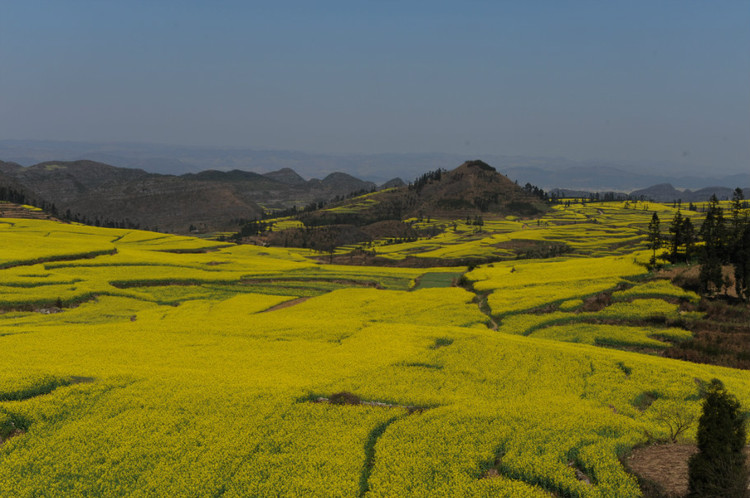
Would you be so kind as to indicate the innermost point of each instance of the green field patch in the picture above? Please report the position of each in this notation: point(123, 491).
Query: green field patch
point(433, 279)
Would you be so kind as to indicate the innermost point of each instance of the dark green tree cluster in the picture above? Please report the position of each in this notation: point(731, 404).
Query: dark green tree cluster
point(681, 241)
point(536, 191)
point(98, 222)
point(476, 221)
point(726, 242)
point(254, 227)
point(429, 177)
point(10, 194)
point(719, 468)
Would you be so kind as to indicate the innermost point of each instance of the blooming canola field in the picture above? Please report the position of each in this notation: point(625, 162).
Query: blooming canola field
point(144, 364)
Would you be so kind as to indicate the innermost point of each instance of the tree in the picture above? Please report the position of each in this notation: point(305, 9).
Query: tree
point(719, 468)
point(654, 236)
point(675, 229)
point(741, 263)
point(674, 417)
point(714, 248)
point(688, 238)
point(737, 201)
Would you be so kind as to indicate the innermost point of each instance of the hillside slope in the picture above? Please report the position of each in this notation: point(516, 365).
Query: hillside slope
point(209, 200)
point(471, 189)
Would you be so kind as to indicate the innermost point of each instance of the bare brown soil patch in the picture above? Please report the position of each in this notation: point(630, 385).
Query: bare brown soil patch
point(525, 249)
point(347, 398)
point(663, 469)
point(365, 258)
point(12, 210)
point(721, 337)
point(15, 433)
point(597, 302)
point(688, 277)
point(286, 304)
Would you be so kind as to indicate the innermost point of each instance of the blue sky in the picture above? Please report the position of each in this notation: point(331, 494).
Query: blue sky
point(654, 81)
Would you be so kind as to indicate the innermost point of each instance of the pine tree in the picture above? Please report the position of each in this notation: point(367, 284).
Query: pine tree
point(688, 238)
point(738, 198)
point(719, 468)
point(675, 229)
point(654, 236)
point(714, 248)
point(741, 262)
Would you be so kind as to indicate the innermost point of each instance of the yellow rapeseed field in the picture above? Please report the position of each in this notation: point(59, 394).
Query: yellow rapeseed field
point(186, 367)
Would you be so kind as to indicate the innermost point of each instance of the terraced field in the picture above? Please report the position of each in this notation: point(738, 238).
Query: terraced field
point(144, 364)
point(591, 229)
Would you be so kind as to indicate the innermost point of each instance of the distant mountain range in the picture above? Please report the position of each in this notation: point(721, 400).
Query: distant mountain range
point(603, 178)
point(214, 200)
point(208, 200)
point(545, 172)
point(665, 192)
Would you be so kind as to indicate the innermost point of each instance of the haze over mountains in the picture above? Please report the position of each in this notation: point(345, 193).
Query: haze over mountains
point(545, 172)
point(224, 190)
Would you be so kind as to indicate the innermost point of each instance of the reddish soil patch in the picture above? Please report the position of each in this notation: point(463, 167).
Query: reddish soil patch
point(286, 304)
point(663, 469)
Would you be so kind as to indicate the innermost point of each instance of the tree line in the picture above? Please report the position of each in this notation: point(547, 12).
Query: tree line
point(10, 194)
point(721, 240)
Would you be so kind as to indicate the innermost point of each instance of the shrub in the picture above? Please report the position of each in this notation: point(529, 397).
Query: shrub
point(344, 398)
point(10, 423)
point(719, 468)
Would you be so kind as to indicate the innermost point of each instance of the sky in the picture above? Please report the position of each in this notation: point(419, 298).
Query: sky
point(629, 81)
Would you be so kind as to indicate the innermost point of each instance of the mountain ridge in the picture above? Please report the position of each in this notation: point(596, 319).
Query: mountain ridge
point(208, 200)
point(211, 199)
point(546, 172)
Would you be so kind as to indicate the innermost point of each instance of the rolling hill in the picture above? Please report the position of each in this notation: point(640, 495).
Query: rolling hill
point(209, 200)
point(468, 190)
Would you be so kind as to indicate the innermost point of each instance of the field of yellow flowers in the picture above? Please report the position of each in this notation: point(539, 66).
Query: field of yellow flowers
point(144, 364)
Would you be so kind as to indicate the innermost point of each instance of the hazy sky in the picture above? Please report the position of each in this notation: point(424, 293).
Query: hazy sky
point(615, 80)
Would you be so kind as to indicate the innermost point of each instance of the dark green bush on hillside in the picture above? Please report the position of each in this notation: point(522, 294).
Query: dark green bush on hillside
point(719, 468)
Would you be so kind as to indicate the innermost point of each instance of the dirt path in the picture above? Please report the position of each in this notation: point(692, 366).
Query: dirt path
point(664, 467)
